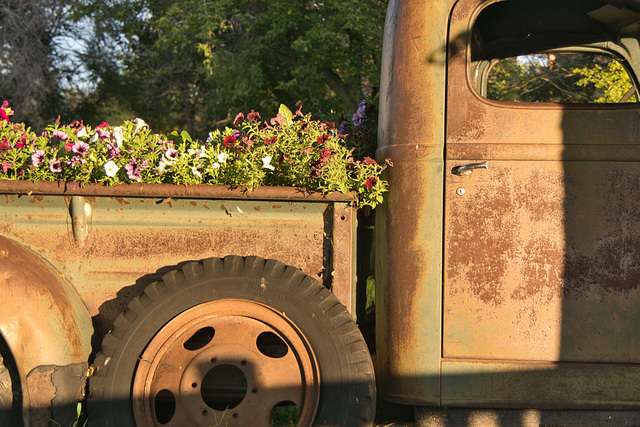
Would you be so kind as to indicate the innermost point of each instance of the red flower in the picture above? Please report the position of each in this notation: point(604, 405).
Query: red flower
point(322, 139)
point(103, 125)
point(371, 182)
point(4, 117)
point(230, 141)
point(370, 161)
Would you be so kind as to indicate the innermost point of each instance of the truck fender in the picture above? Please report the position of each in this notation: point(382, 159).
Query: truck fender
point(48, 330)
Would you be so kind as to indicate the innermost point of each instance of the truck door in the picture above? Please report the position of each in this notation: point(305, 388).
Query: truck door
point(541, 290)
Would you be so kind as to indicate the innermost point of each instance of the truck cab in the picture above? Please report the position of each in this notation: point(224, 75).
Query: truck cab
point(508, 272)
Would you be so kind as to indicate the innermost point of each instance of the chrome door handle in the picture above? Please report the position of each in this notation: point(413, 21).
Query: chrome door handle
point(468, 168)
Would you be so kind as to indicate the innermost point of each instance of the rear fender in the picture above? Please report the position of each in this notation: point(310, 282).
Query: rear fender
point(47, 328)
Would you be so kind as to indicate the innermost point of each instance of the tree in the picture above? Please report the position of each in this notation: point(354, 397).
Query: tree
point(562, 77)
point(196, 63)
point(35, 67)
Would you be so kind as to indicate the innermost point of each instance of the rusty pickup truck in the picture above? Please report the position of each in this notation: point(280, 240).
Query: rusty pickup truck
point(507, 251)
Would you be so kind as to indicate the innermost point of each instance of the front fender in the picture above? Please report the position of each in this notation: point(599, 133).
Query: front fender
point(47, 327)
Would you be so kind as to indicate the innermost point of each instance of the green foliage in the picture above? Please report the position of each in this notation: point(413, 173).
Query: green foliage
point(610, 80)
point(190, 63)
point(288, 150)
point(566, 78)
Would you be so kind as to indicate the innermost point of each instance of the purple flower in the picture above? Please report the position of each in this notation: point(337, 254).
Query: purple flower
point(360, 115)
point(112, 152)
point(76, 161)
point(37, 158)
point(55, 166)
point(60, 135)
point(133, 170)
point(80, 148)
point(237, 134)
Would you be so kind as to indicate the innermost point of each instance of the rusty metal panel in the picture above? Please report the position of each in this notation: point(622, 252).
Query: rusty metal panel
point(130, 241)
point(343, 253)
point(540, 249)
point(409, 223)
point(540, 385)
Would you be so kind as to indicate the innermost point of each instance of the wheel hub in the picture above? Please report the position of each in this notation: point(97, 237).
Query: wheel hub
point(226, 362)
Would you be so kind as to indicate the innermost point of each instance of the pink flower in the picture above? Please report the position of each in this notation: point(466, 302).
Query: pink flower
point(4, 145)
point(6, 167)
point(238, 120)
point(103, 125)
point(4, 117)
point(37, 158)
point(60, 135)
point(171, 153)
point(55, 165)
point(80, 148)
point(253, 116)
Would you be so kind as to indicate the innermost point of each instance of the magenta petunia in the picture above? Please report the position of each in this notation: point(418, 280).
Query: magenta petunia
point(171, 153)
point(80, 148)
point(55, 165)
point(60, 135)
point(4, 117)
point(37, 158)
point(133, 170)
point(112, 152)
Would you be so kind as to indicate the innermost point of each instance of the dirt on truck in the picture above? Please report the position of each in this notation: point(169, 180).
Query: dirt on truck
point(506, 253)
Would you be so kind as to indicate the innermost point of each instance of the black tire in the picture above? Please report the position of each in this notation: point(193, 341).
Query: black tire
point(299, 312)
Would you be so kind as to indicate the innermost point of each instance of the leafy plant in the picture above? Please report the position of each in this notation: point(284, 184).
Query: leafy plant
point(76, 420)
point(291, 149)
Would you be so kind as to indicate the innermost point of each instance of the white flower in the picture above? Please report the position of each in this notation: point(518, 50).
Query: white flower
point(139, 124)
point(216, 165)
point(82, 133)
point(210, 138)
point(111, 169)
point(200, 152)
point(194, 171)
point(94, 138)
point(164, 162)
point(266, 160)
point(118, 135)
point(222, 157)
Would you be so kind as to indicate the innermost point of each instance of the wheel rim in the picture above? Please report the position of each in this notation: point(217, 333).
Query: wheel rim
point(226, 362)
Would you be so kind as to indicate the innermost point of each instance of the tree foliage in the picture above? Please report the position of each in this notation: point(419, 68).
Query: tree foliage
point(195, 63)
point(564, 78)
point(36, 65)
